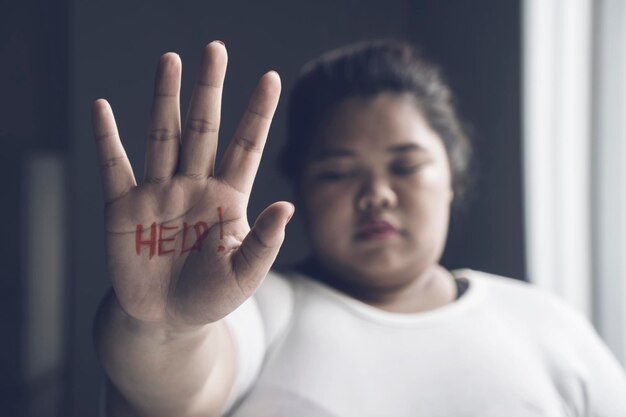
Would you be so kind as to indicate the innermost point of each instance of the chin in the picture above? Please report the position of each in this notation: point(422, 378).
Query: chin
point(394, 268)
point(375, 267)
point(379, 274)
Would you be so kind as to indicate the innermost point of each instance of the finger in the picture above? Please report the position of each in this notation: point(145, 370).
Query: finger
point(117, 174)
point(243, 155)
point(164, 132)
point(203, 118)
point(260, 247)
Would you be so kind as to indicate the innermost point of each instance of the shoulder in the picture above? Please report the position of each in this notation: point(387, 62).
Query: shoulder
point(561, 334)
point(263, 316)
point(528, 302)
point(514, 289)
point(584, 369)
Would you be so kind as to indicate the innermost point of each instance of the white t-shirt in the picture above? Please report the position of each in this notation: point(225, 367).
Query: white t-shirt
point(504, 349)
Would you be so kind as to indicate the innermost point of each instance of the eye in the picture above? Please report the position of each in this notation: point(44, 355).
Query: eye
point(335, 175)
point(406, 169)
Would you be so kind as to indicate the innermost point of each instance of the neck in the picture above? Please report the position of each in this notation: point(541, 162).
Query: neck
point(433, 288)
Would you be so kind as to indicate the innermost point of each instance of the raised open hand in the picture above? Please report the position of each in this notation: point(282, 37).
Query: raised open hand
point(179, 247)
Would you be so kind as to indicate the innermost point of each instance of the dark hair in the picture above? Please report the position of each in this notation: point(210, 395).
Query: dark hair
point(364, 70)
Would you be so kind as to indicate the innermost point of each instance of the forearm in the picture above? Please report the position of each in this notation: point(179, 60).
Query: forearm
point(164, 371)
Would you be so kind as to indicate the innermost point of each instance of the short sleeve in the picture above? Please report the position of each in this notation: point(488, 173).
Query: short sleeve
point(275, 300)
point(253, 327)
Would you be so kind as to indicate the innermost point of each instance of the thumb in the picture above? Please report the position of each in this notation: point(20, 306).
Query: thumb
point(260, 247)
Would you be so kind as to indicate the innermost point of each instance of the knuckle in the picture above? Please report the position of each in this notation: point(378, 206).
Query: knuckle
point(229, 184)
point(201, 126)
point(195, 176)
point(203, 83)
point(259, 241)
point(158, 179)
point(120, 195)
point(246, 256)
point(247, 144)
point(163, 135)
point(112, 162)
point(104, 136)
point(258, 114)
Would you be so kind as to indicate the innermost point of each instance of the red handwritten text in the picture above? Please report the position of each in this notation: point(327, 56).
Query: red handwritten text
point(165, 244)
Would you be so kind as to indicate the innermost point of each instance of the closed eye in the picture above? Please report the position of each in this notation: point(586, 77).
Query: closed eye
point(406, 169)
point(335, 175)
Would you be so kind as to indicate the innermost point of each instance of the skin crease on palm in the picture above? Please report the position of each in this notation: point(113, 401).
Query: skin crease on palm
point(377, 159)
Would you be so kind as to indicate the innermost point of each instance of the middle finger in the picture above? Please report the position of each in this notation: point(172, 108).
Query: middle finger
point(203, 119)
point(164, 132)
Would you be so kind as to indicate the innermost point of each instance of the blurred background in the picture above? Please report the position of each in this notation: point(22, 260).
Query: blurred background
point(539, 82)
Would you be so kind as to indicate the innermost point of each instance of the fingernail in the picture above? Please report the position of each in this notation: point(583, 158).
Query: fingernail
point(217, 40)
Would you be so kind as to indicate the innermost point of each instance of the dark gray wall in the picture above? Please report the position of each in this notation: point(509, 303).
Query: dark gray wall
point(478, 43)
point(33, 119)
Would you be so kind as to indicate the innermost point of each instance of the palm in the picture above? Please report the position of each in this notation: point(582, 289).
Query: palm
point(179, 248)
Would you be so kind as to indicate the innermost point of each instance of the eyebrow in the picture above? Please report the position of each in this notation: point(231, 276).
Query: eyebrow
point(331, 153)
point(406, 147)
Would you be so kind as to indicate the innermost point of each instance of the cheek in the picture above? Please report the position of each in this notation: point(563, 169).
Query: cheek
point(327, 209)
point(433, 182)
point(426, 198)
point(437, 173)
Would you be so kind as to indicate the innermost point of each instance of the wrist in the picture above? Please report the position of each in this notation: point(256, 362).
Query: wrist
point(161, 331)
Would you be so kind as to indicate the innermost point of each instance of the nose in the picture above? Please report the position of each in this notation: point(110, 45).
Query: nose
point(376, 194)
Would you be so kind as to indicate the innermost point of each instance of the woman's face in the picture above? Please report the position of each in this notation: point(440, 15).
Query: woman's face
point(376, 193)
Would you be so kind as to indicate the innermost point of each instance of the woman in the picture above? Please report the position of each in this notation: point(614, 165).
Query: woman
point(371, 325)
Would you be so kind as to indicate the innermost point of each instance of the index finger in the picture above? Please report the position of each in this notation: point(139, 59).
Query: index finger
point(243, 155)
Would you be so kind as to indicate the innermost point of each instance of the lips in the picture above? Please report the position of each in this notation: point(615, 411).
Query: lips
point(375, 229)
